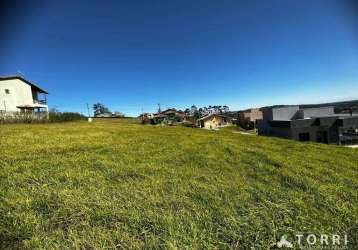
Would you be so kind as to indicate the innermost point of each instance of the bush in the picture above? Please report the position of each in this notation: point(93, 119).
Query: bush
point(40, 117)
point(65, 116)
point(22, 117)
point(188, 124)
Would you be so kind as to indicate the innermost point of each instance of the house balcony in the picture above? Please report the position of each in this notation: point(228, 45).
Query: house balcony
point(41, 102)
point(40, 105)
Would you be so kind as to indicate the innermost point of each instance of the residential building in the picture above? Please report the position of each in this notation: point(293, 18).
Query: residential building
point(20, 95)
point(167, 116)
point(172, 114)
point(212, 121)
point(309, 124)
point(247, 118)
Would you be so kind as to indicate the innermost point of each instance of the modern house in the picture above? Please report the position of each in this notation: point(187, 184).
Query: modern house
point(212, 121)
point(309, 124)
point(247, 118)
point(20, 95)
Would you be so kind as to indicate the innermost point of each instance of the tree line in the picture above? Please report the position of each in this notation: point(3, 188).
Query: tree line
point(204, 111)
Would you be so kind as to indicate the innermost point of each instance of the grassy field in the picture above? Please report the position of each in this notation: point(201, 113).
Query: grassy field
point(117, 184)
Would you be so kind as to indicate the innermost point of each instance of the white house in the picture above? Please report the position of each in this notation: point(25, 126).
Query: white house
point(18, 94)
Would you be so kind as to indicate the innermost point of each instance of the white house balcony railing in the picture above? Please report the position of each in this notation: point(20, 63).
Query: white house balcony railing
point(43, 102)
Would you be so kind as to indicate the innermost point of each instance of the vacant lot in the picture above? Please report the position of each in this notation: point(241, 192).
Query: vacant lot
point(124, 185)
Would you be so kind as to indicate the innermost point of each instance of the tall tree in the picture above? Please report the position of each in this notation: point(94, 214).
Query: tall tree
point(99, 108)
point(226, 109)
point(194, 112)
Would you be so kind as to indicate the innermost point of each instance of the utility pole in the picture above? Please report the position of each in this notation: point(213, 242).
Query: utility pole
point(159, 109)
point(89, 115)
point(142, 115)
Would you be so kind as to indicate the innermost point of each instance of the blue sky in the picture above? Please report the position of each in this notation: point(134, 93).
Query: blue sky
point(131, 55)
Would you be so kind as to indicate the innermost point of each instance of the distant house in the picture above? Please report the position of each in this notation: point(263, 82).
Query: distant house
point(104, 115)
point(309, 124)
point(168, 116)
point(247, 118)
point(18, 94)
point(173, 113)
point(145, 118)
point(213, 121)
point(110, 115)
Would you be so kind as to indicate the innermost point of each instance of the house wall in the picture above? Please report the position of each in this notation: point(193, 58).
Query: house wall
point(280, 114)
point(350, 122)
point(243, 118)
point(267, 114)
point(280, 132)
point(315, 112)
point(264, 128)
point(20, 94)
point(293, 133)
point(256, 114)
point(213, 122)
point(284, 113)
point(311, 130)
point(248, 118)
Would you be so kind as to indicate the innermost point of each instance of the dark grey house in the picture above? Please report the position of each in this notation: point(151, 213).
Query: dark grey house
point(309, 124)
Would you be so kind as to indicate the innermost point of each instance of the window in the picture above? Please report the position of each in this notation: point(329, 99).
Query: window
point(7, 91)
point(304, 136)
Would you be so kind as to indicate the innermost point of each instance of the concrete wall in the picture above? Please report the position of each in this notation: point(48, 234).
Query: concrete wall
point(280, 132)
point(280, 113)
point(315, 112)
point(20, 94)
point(284, 113)
point(247, 118)
point(311, 130)
point(267, 114)
point(255, 114)
point(264, 128)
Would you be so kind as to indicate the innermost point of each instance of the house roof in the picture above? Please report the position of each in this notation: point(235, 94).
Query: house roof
point(248, 110)
point(169, 111)
point(208, 116)
point(158, 115)
point(41, 90)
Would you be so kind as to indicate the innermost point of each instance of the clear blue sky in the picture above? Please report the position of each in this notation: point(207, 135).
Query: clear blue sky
point(131, 55)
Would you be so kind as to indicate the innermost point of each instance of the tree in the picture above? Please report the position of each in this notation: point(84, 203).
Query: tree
point(205, 111)
point(226, 109)
point(187, 112)
point(99, 108)
point(194, 112)
point(201, 112)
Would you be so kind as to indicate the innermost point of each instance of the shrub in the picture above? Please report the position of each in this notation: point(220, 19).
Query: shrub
point(30, 117)
point(188, 124)
point(22, 117)
point(65, 116)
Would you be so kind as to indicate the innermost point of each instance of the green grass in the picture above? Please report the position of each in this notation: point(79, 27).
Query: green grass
point(117, 184)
